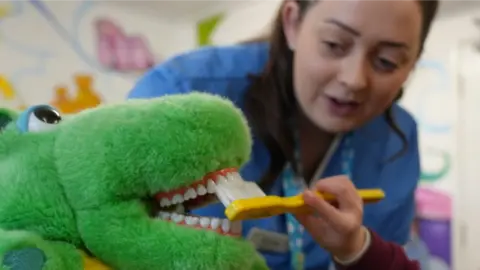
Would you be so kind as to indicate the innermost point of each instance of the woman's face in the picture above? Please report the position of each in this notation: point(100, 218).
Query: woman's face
point(351, 57)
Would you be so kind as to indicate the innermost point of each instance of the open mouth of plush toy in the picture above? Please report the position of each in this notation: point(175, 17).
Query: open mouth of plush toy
point(175, 205)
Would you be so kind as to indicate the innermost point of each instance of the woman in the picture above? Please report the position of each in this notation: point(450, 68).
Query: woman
point(320, 95)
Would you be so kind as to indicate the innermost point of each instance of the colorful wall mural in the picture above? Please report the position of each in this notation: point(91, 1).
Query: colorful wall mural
point(121, 51)
point(85, 96)
point(206, 27)
point(53, 52)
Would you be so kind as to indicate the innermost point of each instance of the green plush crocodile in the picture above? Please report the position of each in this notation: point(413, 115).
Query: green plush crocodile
point(93, 183)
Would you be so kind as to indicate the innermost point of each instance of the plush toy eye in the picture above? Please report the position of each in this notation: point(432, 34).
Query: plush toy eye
point(43, 118)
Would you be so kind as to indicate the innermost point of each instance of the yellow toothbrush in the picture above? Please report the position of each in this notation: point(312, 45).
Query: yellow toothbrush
point(267, 206)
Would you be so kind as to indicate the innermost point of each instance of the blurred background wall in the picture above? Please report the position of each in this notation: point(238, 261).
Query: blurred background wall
point(78, 54)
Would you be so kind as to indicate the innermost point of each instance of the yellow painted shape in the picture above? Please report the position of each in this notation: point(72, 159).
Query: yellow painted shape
point(85, 98)
point(6, 88)
point(5, 9)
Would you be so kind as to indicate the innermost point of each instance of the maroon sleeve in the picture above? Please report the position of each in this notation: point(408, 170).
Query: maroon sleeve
point(383, 255)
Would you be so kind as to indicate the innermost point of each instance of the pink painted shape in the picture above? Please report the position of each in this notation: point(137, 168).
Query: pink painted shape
point(118, 51)
point(106, 34)
point(433, 204)
point(141, 57)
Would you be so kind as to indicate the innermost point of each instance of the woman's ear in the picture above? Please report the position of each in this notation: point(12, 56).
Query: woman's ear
point(291, 22)
point(399, 95)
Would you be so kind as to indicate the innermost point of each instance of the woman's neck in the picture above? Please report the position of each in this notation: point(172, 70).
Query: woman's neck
point(314, 144)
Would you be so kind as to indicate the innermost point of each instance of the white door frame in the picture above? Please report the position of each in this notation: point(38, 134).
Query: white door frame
point(466, 219)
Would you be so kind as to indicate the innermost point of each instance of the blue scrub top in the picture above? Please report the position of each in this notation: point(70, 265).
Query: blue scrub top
point(224, 71)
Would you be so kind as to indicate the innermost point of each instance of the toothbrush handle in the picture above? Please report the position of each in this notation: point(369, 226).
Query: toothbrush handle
point(296, 204)
point(267, 206)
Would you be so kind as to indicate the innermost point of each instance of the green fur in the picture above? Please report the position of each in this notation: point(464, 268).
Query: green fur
point(81, 184)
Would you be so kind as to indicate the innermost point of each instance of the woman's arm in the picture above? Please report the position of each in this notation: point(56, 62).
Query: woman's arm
point(381, 254)
point(157, 82)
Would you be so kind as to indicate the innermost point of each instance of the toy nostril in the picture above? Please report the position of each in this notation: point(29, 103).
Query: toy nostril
point(24, 259)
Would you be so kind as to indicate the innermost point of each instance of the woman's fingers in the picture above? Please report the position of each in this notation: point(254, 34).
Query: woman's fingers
point(350, 210)
point(342, 188)
point(324, 210)
point(332, 227)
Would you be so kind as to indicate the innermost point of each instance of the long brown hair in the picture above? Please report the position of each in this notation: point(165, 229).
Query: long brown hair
point(270, 100)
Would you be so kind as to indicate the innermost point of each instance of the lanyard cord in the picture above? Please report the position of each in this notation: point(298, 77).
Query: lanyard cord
point(294, 182)
point(299, 172)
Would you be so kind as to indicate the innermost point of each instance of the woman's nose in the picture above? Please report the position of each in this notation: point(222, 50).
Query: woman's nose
point(354, 73)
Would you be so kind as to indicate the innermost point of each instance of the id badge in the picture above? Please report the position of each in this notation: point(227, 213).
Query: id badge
point(268, 241)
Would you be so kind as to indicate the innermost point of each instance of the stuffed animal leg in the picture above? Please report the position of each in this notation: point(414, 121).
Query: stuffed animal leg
point(22, 250)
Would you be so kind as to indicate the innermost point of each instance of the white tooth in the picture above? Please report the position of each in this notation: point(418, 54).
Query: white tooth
point(178, 218)
point(180, 209)
point(234, 176)
point(164, 215)
point(201, 190)
point(164, 202)
point(190, 194)
point(214, 223)
point(225, 225)
point(236, 227)
point(191, 220)
point(204, 222)
point(211, 186)
point(195, 220)
point(177, 199)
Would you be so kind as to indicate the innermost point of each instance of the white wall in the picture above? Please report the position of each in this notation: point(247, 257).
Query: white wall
point(451, 44)
point(39, 52)
point(246, 21)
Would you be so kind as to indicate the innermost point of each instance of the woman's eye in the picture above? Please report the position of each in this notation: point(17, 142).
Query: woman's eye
point(334, 47)
point(385, 65)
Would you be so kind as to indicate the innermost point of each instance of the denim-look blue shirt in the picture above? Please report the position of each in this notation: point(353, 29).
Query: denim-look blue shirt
point(224, 71)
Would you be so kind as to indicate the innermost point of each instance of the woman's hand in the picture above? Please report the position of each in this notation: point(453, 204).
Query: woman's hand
point(338, 229)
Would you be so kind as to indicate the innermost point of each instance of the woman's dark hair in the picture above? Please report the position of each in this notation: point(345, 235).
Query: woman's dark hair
point(270, 99)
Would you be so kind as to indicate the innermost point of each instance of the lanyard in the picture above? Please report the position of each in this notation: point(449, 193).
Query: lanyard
point(294, 183)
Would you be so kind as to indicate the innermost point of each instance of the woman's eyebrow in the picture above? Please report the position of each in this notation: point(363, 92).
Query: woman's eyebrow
point(351, 30)
point(343, 26)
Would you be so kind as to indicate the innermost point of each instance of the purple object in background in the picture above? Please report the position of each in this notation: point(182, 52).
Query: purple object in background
point(434, 212)
point(436, 235)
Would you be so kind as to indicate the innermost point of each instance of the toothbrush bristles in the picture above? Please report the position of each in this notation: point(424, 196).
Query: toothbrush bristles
point(235, 189)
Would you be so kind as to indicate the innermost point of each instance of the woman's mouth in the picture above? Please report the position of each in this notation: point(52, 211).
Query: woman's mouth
point(342, 107)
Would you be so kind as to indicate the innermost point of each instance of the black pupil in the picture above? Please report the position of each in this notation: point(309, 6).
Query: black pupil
point(47, 115)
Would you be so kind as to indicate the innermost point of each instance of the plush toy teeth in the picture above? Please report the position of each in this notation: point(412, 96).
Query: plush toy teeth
point(221, 226)
point(226, 185)
point(198, 193)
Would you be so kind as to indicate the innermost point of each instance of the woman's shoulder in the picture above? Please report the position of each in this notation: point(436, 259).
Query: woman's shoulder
point(404, 119)
point(216, 62)
point(394, 140)
point(380, 129)
point(221, 70)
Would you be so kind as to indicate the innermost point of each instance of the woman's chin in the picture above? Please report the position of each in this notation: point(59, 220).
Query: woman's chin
point(335, 125)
